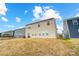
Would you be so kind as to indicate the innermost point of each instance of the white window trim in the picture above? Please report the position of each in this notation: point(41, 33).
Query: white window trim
point(78, 30)
point(75, 22)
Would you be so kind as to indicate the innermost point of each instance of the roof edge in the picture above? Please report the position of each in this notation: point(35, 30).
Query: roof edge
point(39, 21)
point(70, 18)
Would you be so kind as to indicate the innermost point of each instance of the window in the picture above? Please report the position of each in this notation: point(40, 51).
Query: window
point(35, 34)
point(48, 23)
point(39, 34)
point(78, 30)
point(38, 25)
point(29, 27)
point(32, 35)
point(75, 22)
point(43, 34)
point(46, 33)
point(28, 33)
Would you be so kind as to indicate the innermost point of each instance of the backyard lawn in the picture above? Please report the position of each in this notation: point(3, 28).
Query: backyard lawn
point(38, 47)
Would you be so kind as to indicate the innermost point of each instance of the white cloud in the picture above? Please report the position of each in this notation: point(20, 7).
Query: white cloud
point(10, 26)
point(50, 13)
point(45, 13)
point(37, 12)
point(26, 11)
point(3, 9)
point(21, 27)
point(4, 19)
point(77, 9)
point(77, 15)
point(59, 29)
point(18, 20)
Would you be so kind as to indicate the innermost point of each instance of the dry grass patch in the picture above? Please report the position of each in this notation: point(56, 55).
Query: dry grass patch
point(35, 47)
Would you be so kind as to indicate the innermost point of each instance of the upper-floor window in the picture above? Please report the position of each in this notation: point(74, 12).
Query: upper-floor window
point(32, 34)
point(78, 30)
point(39, 34)
point(28, 33)
point(48, 23)
point(46, 33)
point(29, 27)
point(43, 34)
point(75, 22)
point(38, 25)
point(35, 34)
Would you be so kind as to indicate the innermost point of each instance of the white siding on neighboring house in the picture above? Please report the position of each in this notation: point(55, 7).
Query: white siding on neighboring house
point(19, 33)
point(7, 32)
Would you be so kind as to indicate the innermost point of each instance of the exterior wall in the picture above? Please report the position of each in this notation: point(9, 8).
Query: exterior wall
point(44, 31)
point(19, 33)
point(73, 29)
point(66, 30)
point(7, 32)
point(0, 34)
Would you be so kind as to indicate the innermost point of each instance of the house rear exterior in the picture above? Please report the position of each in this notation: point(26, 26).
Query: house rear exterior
point(71, 28)
point(41, 29)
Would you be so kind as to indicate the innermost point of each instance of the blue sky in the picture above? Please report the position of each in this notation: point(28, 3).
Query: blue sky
point(16, 15)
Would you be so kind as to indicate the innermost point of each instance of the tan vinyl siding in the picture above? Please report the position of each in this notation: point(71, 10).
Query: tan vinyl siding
point(43, 31)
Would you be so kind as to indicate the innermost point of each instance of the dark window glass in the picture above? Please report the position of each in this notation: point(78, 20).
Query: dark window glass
point(46, 33)
point(48, 23)
point(28, 33)
point(43, 34)
point(29, 27)
point(32, 35)
point(38, 25)
point(39, 34)
point(35, 34)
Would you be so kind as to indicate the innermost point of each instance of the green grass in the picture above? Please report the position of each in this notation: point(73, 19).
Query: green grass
point(36, 47)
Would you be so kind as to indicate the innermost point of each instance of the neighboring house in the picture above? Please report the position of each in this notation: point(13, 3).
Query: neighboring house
point(41, 29)
point(71, 28)
point(0, 34)
point(8, 33)
point(19, 33)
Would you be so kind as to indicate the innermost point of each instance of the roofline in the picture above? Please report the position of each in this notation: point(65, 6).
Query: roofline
point(12, 30)
point(39, 21)
point(70, 18)
point(19, 29)
point(6, 31)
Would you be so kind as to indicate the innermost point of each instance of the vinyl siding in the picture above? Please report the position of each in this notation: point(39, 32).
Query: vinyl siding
point(7, 32)
point(73, 29)
point(19, 33)
point(40, 32)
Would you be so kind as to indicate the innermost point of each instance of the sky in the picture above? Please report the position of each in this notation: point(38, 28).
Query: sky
point(17, 15)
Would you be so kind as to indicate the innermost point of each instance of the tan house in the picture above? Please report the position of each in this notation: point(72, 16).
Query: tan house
point(41, 29)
